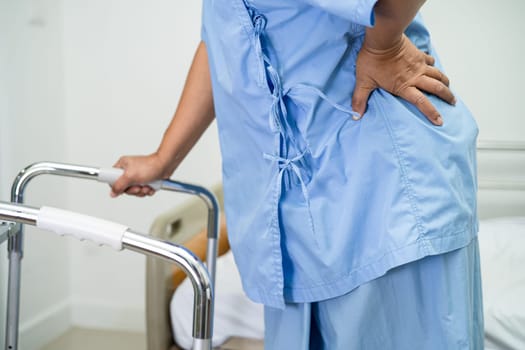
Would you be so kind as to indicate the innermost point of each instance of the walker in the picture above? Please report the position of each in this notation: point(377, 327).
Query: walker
point(111, 234)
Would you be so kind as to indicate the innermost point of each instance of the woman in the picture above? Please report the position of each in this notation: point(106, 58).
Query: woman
point(353, 223)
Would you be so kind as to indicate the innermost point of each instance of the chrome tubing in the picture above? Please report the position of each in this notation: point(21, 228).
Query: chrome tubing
point(185, 259)
point(201, 344)
point(88, 172)
point(36, 169)
point(15, 213)
point(10, 212)
point(198, 274)
point(213, 218)
point(15, 240)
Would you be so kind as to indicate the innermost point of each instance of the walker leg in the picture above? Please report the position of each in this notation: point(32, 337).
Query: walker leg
point(16, 238)
point(15, 253)
point(118, 237)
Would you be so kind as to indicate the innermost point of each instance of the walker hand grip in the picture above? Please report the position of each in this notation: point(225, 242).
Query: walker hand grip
point(110, 175)
point(83, 227)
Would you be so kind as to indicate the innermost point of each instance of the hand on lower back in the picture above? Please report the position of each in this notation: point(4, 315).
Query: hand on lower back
point(404, 71)
point(138, 170)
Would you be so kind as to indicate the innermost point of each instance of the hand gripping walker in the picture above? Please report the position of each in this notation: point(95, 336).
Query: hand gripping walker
point(114, 235)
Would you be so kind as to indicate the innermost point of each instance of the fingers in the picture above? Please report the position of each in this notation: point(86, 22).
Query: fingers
point(434, 82)
point(140, 191)
point(121, 162)
point(429, 60)
point(123, 184)
point(435, 87)
point(405, 72)
point(418, 99)
point(132, 181)
point(360, 98)
point(435, 73)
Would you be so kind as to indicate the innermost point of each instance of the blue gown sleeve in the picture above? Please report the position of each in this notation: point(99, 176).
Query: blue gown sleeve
point(203, 32)
point(356, 11)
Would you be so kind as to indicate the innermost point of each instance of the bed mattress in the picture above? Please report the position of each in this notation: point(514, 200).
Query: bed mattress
point(502, 249)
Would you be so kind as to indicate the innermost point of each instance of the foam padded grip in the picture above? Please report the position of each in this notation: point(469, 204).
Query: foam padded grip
point(110, 175)
point(81, 226)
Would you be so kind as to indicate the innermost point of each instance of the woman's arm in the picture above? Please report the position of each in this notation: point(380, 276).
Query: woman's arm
point(392, 17)
point(193, 115)
point(388, 60)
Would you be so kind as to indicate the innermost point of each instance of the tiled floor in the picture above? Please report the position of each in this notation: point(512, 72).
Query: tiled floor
point(89, 339)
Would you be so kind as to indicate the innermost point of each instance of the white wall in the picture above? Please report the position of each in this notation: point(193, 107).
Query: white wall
point(3, 156)
point(87, 81)
point(482, 47)
point(125, 65)
point(33, 127)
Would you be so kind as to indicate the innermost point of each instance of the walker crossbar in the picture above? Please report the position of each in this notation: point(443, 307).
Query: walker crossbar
point(104, 232)
point(107, 175)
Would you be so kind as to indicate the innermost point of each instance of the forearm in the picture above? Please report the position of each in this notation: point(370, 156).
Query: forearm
point(193, 115)
point(392, 17)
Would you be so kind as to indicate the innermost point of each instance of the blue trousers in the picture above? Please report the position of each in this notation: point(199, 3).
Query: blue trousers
point(431, 304)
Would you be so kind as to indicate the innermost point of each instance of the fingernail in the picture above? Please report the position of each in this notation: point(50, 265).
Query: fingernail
point(357, 116)
point(112, 194)
point(439, 121)
point(454, 101)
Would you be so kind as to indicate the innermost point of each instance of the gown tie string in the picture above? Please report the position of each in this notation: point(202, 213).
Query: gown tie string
point(287, 164)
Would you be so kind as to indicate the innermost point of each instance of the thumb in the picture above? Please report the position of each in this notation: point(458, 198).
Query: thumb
point(360, 98)
point(120, 185)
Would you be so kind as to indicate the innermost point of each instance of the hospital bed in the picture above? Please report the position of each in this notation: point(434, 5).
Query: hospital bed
point(116, 236)
point(177, 225)
point(502, 245)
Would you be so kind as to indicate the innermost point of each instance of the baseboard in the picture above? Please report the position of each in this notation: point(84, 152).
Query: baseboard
point(96, 314)
point(45, 326)
point(93, 314)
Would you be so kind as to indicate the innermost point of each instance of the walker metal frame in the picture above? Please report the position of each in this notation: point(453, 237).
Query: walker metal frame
point(203, 280)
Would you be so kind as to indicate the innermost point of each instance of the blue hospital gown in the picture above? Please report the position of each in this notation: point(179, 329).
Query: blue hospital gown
point(318, 203)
